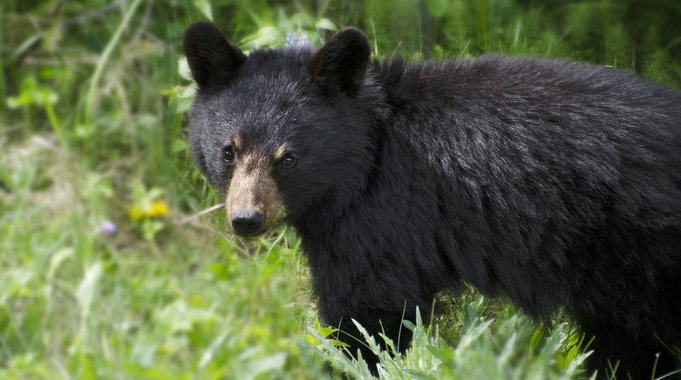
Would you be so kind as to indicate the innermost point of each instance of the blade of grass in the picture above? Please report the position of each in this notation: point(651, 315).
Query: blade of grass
point(103, 59)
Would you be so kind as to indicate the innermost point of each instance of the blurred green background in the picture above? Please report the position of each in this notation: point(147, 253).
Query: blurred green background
point(102, 275)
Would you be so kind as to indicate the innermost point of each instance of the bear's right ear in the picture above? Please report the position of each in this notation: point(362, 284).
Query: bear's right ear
point(340, 64)
point(212, 60)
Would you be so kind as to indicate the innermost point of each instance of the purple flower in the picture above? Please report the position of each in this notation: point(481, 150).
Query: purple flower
point(107, 227)
point(295, 40)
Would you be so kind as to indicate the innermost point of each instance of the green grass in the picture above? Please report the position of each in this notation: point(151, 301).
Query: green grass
point(91, 126)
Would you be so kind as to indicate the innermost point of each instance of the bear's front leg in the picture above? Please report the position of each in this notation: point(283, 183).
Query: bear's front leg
point(377, 286)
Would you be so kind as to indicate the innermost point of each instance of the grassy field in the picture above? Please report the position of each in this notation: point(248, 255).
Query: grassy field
point(102, 274)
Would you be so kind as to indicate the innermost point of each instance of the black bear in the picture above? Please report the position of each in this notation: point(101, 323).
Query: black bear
point(555, 183)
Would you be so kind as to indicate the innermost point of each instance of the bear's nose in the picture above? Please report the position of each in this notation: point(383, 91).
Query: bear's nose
point(247, 222)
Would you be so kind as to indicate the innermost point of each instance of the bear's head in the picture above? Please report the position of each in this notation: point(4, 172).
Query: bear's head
point(278, 131)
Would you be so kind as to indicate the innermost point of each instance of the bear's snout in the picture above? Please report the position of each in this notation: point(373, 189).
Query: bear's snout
point(247, 222)
point(252, 199)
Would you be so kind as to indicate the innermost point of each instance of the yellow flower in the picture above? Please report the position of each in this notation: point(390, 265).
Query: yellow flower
point(158, 208)
point(135, 212)
point(155, 210)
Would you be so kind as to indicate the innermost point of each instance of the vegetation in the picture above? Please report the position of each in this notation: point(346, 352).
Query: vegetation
point(103, 276)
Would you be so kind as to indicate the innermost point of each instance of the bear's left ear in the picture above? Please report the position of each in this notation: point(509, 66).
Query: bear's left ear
point(340, 64)
point(212, 60)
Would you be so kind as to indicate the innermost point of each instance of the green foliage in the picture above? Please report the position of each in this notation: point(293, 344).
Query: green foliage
point(324, 332)
point(92, 127)
point(514, 349)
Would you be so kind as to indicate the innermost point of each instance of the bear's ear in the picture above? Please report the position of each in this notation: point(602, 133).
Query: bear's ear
point(340, 64)
point(212, 60)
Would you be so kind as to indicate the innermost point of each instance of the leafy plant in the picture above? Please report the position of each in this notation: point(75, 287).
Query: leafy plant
point(515, 349)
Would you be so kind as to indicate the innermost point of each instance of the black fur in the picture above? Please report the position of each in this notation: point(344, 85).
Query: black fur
point(556, 183)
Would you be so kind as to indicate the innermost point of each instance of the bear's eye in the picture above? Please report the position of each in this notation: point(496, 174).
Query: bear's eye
point(288, 160)
point(228, 154)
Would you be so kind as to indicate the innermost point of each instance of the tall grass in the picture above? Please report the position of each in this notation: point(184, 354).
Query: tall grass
point(99, 276)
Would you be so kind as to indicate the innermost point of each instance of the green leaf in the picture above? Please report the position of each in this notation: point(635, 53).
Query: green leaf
point(154, 193)
point(178, 316)
point(409, 324)
point(86, 290)
point(326, 24)
point(143, 354)
point(536, 338)
point(371, 341)
point(214, 347)
point(150, 228)
point(338, 343)
point(437, 8)
point(32, 93)
point(420, 376)
point(183, 69)
point(138, 190)
point(185, 98)
point(86, 367)
point(260, 366)
point(470, 318)
point(326, 331)
point(205, 8)
point(266, 36)
point(178, 145)
point(56, 260)
point(31, 41)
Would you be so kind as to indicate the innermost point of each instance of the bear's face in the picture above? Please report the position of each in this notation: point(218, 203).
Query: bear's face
point(279, 130)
